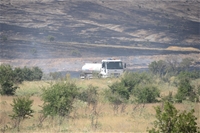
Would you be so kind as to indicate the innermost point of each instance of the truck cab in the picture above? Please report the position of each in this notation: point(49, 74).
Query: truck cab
point(112, 68)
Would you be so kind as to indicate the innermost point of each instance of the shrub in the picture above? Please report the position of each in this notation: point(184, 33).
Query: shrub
point(9, 77)
point(21, 109)
point(6, 80)
point(120, 89)
point(131, 79)
point(58, 99)
point(30, 74)
point(76, 53)
point(188, 75)
point(89, 95)
point(51, 38)
point(146, 94)
point(4, 38)
point(37, 73)
point(18, 75)
point(117, 95)
point(7, 88)
point(171, 66)
point(56, 75)
point(170, 120)
point(186, 91)
point(158, 67)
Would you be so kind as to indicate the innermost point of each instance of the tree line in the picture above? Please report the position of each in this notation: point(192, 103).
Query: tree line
point(11, 77)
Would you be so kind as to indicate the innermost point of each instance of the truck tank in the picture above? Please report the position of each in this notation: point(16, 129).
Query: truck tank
point(91, 67)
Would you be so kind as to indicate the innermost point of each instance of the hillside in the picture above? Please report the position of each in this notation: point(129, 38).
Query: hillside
point(89, 30)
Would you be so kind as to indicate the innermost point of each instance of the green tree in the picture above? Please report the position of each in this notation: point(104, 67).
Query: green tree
point(37, 73)
point(18, 75)
point(58, 99)
point(185, 64)
point(186, 91)
point(27, 74)
point(21, 109)
point(117, 95)
point(51, 38)
point(158, 67)
point(7, 86)
point(170, 120)
point(146, 94)
point(89, 95)
point(132, 79)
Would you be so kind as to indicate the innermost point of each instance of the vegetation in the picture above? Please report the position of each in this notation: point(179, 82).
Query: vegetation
point(67, 102)
point(21, 109)
point(186, 91)
point(170, 120)
point(170, 67)
point(9, 77)
point(58, 99)
point(50, 38)
point(4, 38)
point(76, 53)
point(7, 86)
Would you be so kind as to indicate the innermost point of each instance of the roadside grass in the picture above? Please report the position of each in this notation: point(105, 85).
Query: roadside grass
point(32, 88)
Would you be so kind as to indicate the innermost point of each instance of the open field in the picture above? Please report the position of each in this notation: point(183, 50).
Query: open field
point(130, 120)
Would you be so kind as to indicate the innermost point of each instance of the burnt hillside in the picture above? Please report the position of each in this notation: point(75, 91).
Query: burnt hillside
point(96, 28)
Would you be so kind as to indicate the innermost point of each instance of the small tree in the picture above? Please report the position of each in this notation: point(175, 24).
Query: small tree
point(186, 91)
point(51, 38)
point(146, 94)
point(58, 99)
point(170, 120)
point(7, 86)
point(117, 95)
point(21, 109)
point(37, 73)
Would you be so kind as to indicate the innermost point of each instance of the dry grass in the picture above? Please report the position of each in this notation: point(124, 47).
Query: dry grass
point(130, 120)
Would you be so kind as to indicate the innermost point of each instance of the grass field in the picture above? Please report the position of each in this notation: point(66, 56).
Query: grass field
point(80, 120)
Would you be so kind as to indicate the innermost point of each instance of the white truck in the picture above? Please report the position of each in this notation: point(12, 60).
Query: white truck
point(105, 69)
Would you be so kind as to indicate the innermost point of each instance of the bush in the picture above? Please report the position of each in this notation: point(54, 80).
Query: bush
point(30, 74)
point(189, 75)
point(76, 53)
point(18, 75)
point(51, 38)
point(131, 79)
point(89, 95)
point(146, 94)
point(21, 109)
point(117, 95)
point(7, 88)
point(9, 77)
point(37, 73)
point(6, 80)
point(170, 120)
point(4, 38)
point(58, 99)
point(170, 67)
point(120, 89)
point(186, 91)
point(56, 75)
point(158, 67)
